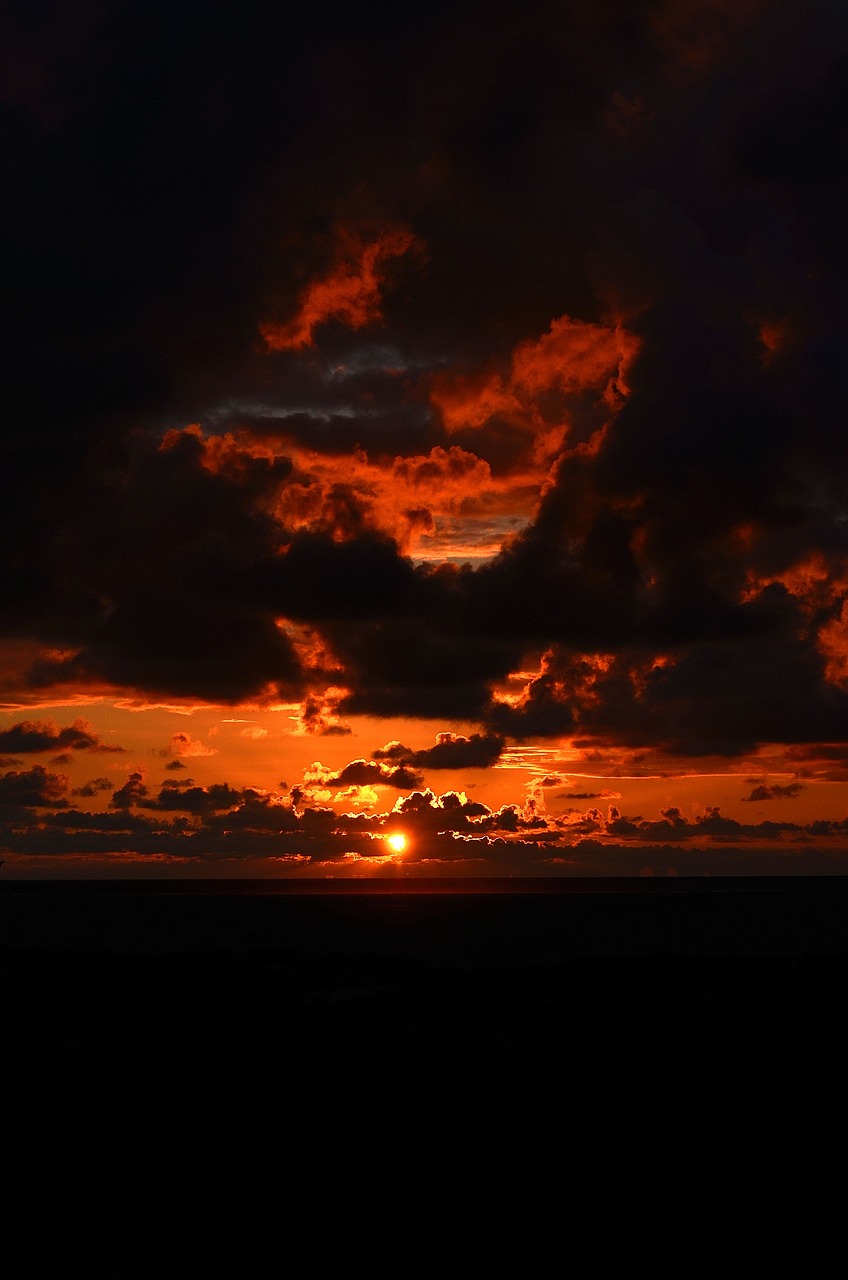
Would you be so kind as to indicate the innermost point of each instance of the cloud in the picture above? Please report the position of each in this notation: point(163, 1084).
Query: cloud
point(451, 751)
point(176, 795)
point(509, 397)
point(182, 821)
point(33, 736)
point(182, 744)
point(133, 792)
point(349, 292)
point(364, 773)
point(674, 826)
point(546, 376)
point(318, 714)
point(92, 788)
point(591, 795)
point(35, 787)
point(711, 698)
point(775, 791)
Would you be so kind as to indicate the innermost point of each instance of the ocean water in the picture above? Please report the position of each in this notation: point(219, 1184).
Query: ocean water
point(443, 921)
point(215, 1080)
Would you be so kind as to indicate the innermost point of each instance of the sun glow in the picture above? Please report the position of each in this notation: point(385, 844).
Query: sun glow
point(396, 843)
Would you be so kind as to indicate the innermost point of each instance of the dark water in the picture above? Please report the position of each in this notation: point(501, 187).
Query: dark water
point(507, 922)
point(218, 1079)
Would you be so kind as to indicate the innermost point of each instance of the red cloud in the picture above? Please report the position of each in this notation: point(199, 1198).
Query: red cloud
point(573, 356)
point(350, 292)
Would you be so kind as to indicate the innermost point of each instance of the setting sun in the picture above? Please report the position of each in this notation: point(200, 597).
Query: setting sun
point(396, 843)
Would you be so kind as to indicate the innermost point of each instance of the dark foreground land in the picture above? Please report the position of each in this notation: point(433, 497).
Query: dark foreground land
point(195, 1076)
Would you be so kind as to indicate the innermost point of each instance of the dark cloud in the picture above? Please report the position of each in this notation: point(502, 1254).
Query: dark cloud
point(35, 787)
point(666, 182)
point(590, 795)
point(317, 716)
point(172, 603)
point(33, 736)
point(210, 825)
point(178, 795)
point(700, 699)
point(775, 791)
point(92, 788)
point(674, 826)
point(365, 773)
point(322, 579)
point(133, 792)
point(450, 751)
point(217, 798)
point(431, 659)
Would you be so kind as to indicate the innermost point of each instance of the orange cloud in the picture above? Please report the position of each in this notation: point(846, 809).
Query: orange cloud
point(225, 454)
point(182, 744)
point(445, 503)
point(443, 469)
point(471, 400)
point(812, 581)
point(350, 292)
point(319, 714)
point(572, 357)
point(574, 680)
point(833, 643)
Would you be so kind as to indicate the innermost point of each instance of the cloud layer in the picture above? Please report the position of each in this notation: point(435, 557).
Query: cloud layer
point(458, 365)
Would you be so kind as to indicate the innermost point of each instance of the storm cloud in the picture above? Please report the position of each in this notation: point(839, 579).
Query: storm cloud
point(466, 369)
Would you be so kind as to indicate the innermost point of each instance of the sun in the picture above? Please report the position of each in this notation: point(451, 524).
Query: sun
point(396, 843)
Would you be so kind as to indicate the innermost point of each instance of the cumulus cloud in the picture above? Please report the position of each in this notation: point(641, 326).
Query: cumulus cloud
point(365, 773)
point(35, 787)
point(775, 791)
point(350, 291)
point(92, 788)
point(450, 751)
point(34, 736)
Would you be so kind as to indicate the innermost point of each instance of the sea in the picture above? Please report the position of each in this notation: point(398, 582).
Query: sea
point(236, 1079)
point(511, 922)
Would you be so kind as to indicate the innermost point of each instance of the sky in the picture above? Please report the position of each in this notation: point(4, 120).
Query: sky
point(424, 440)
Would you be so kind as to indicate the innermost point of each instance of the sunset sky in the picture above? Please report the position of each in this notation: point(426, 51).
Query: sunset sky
point(424, 423)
